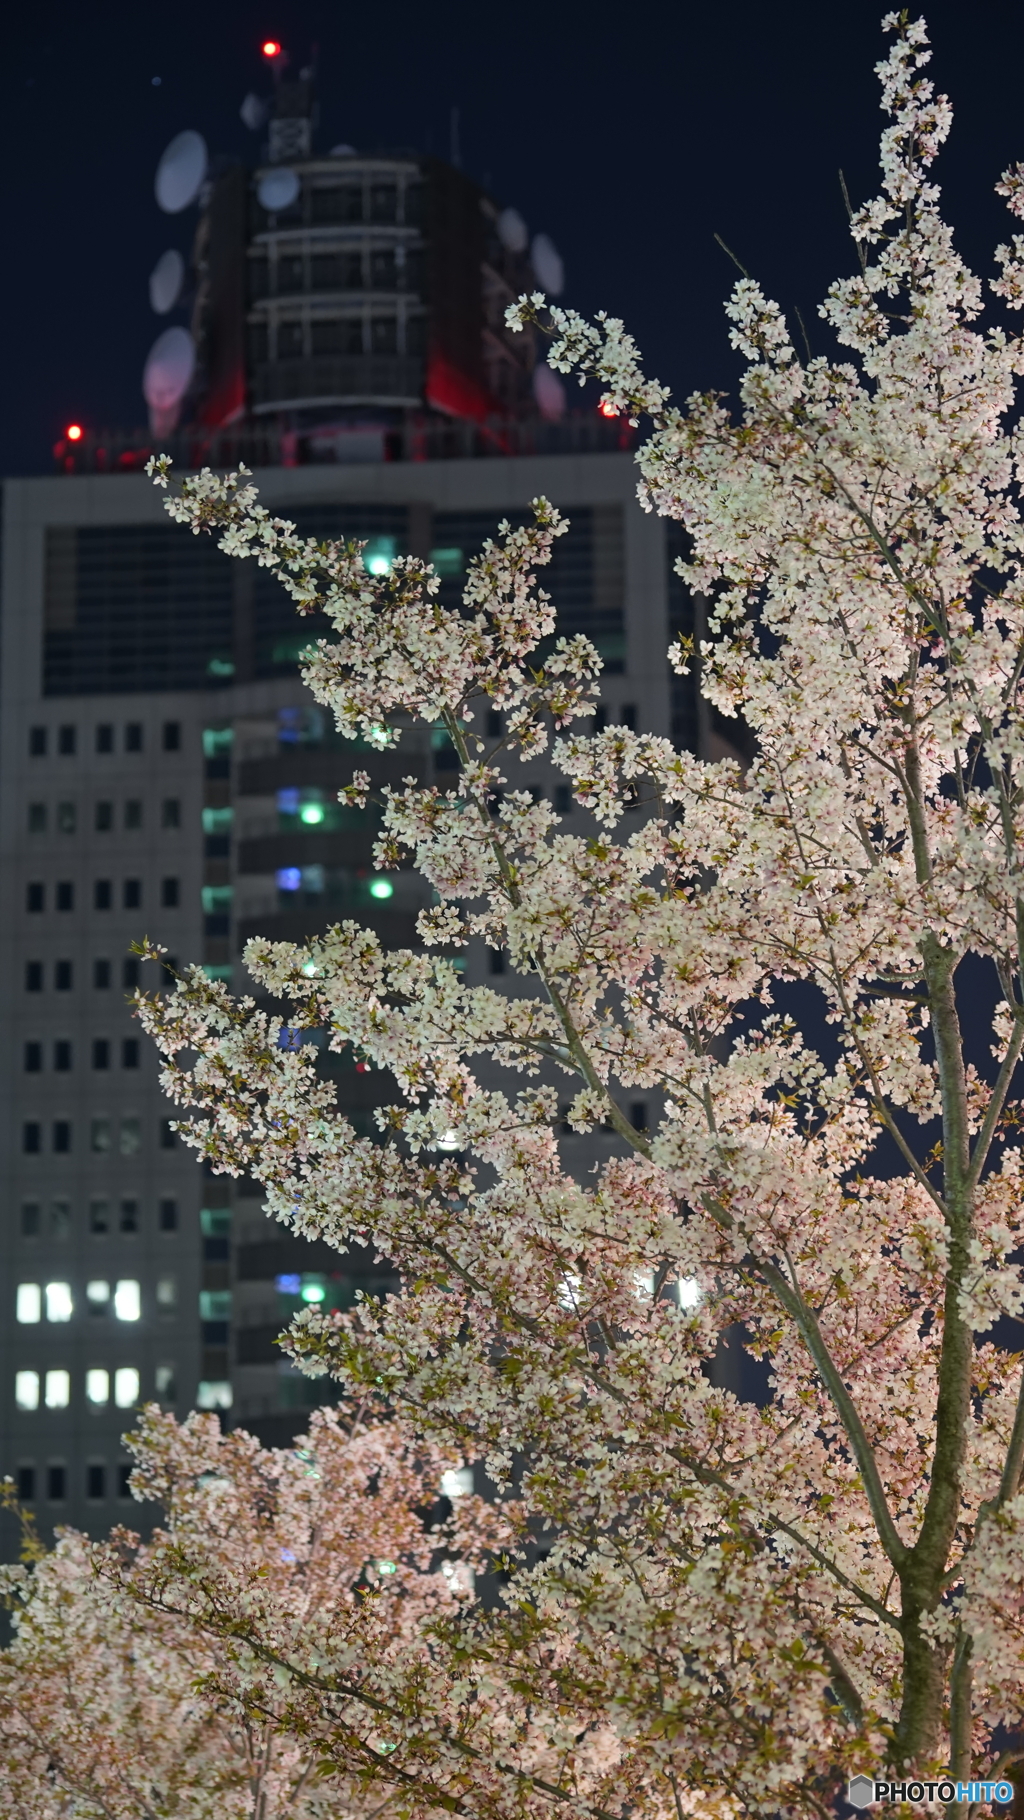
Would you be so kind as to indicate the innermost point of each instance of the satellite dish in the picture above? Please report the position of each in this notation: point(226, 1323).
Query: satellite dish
point(277, 189)
point(254, 112)
point(342, 151)
point(547, 263)
point(168, 371)
point(180, 173)
point(512, 231)
point(166, 280)
point(549, 393)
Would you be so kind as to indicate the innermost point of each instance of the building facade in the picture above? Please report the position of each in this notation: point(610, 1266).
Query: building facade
point(167, 775)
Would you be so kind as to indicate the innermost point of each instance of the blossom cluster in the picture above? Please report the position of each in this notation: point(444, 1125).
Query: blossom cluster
point(759, 1599)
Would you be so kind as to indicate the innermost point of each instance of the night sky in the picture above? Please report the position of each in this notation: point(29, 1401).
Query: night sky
point(629, 134)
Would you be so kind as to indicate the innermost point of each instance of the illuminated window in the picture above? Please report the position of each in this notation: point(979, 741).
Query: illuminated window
point(29, 1304)
point(131, 1136)
point(57, 1393)
point(127, 1300)
point(59, 1306)
point(215, 1304)
point(166, 1387)
point(126, 1386)
point(99, 1135)
point(97, 1296)
point(97, 1386)
point(166, 1293)
point(26, 1389)
point(213, 1393)
point(458, 1483)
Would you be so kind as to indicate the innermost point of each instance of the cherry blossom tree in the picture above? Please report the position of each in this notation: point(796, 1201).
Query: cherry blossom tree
point(794, 963)
point(130, 1690)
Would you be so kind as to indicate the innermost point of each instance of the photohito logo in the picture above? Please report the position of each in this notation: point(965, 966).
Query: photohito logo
point(864, 1791)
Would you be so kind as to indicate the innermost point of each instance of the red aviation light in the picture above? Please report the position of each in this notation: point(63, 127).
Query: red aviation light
point(74, 432)
point(607, 409)
point(271, 49)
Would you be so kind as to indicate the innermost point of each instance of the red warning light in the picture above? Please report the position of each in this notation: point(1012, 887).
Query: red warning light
point(607, 409)
point(74, 432)
point(271, 48)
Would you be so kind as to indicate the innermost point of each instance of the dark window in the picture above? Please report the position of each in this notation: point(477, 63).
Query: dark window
point(327, 271)
point(63, 975)
point(33, 976)
point(412, 278)
point(32, 1137)
point(627, 715)
point(341, 202)
point(217, 846)
point(129, 1052)
point(56, 1482)
point(66, 741)
point(495, 723)
point(65, 895)
point(290, 274)
point(31, 1219)
point(289, 341)
point(104, 817)
point(105, 737)
point(415, 335)
point(333, 337)
point(172, 736)
point(258, 342)
point(102, 894)
point(497, 959)
point(26, 1483)
point(133, 736)
point(101, 975)
point(62, 1136)
point(124, 1480)
point(33, 1058)
point(37, 742)
point(37, 818)
point(168, 1138)
point(383, 202)
point(384, 335)
point(95, 1481)
point(170, 812)
point(169, 893)
point(99, 1223)
point(100, 1051)
point(383, 269)
point(279, 636)
point(35, 898)
point(414, 204)
point(168, 1216)
point(62, 1058)
point(132, 893)
point(259, 279)
point(128, 1220)
point(130, 973)
point(133, 813)
point(638, 1115)
point(600, 717)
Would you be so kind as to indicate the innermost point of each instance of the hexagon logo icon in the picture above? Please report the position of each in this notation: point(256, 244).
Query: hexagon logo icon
point(860, 1791)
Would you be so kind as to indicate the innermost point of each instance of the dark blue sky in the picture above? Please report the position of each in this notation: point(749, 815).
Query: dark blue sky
point(629, 134)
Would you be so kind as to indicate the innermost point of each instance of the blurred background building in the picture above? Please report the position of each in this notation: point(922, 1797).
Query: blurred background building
point(339, 323)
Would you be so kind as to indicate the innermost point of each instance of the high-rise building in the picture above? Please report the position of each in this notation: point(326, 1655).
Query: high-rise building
point(166, 774)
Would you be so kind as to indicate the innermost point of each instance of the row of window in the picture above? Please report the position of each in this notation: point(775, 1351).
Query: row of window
point(322, 203)
point(55, 1476)
point(347, 268)
point(65, 738)
point(341, 335)
point(102, 894)
point(104, 1216)
point(65, 816)
point(103, 1051)
point(102, 974)
point(123, 1299)
point(52, 1388)
point(105, 1136)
